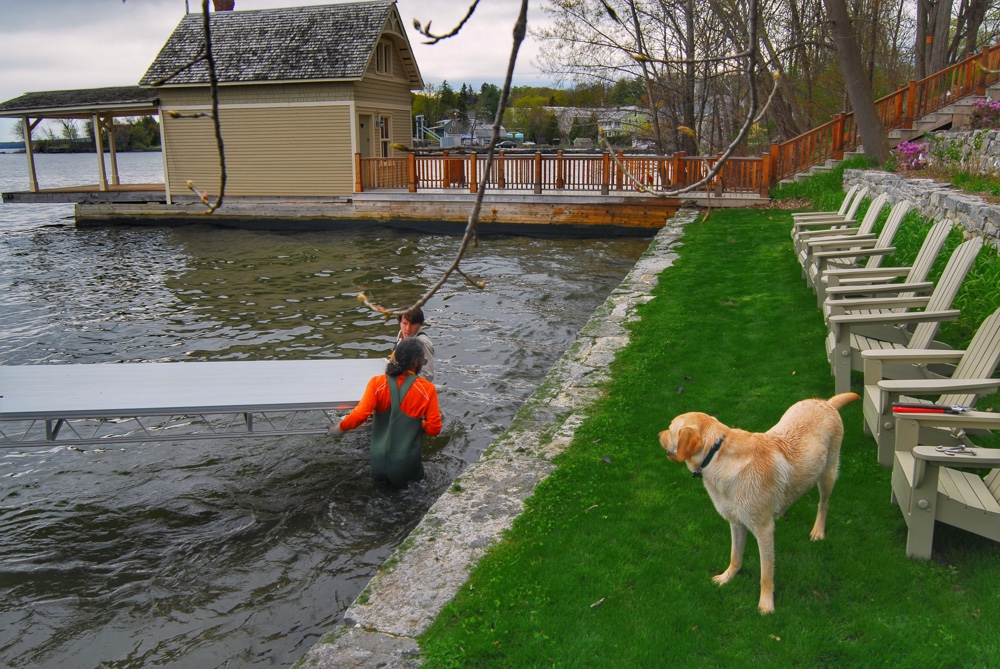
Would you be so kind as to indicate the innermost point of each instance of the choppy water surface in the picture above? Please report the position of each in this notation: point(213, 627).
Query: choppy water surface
point(243, 552)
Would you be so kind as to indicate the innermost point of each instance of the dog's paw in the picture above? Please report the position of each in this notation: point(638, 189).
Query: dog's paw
point(725, 576)
point(817, 534)
point(766, 605)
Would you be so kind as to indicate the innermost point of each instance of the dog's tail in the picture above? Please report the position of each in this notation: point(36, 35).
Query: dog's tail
point(838, 401)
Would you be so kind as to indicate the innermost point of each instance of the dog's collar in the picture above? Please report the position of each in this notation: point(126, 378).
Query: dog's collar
point(708, 458)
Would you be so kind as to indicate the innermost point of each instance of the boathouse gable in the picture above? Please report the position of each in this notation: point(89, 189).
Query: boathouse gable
point(301, 90)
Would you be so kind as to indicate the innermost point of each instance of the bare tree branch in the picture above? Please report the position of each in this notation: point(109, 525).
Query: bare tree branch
point(471, 229)
point(434, 39)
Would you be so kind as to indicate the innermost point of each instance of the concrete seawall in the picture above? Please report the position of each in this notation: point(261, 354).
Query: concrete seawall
point(428, 569)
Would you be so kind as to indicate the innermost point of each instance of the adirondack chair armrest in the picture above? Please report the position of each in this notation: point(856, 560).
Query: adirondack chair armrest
point(984, 457)
point(980, 420)
point(914, 355)
point(840, 241)
point(862, 250)
point(875, 359)
point(853, 303)
point(839, 292)
point(814, 235)
point(896, 387)
point(816, 222)
point(865, 274)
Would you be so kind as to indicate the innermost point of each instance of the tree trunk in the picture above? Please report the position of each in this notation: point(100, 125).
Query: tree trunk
point(859, 89)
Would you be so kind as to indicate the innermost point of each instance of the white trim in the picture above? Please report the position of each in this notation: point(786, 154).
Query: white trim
point(163, 156)
point(267, 105)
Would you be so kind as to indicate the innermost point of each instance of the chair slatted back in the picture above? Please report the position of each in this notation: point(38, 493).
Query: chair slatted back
point(947, 287)
point(979, 362)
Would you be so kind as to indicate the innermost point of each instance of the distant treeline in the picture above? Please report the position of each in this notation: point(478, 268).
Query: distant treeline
point(131, 134)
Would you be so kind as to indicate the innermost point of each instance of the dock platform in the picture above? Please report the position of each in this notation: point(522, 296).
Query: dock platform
point(86, 404)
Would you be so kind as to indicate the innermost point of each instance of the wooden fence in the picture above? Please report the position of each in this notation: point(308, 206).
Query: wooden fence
point(553, 173)
point(604, 173)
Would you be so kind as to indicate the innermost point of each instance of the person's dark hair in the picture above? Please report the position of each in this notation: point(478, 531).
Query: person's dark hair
point(414, 315)
point(408, 357)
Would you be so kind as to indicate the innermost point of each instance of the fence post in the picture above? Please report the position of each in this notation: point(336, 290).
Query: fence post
point(606, 173)
point(619, 175)
point(538, 172)
point(445, 176)
point(775, 152)
point(473, 172)
point(359, 186)
point(984, 66)
point(560, 170)
point(911, 103)
point(680, 177)
point(899, 105)
point(838, 137)
point(411, 172)
point(765, 173)
point(718, 177)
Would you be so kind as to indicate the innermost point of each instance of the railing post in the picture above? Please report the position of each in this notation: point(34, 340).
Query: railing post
point(501, 177)
point(606, 174)
point(619, 175)
point(445, 176)
point(984, 66)
point(775, 152)
point(898, 114)
point(560, 173)
point(838, 137)
point(680, 177)
point(359, 186)
point(473, 172)
point(911, 103)
point(718, 177)
point(411, 172)
point(766, 168)
point(970, 75)
point(538, 172)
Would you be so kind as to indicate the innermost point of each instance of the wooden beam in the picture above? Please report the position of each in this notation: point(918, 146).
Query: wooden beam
point(102, 183)
point(32, 177)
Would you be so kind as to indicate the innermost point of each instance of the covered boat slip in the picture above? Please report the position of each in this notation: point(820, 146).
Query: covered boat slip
point(75, 405)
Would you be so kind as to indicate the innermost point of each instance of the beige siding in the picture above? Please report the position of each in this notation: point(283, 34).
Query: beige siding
point(259, 94)
point(377, 96)
point(288, 151)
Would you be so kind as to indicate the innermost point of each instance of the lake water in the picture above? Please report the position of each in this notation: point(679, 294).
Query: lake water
point(242, 552)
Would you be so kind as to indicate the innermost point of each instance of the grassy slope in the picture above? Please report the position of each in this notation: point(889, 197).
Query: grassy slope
point(734, 332)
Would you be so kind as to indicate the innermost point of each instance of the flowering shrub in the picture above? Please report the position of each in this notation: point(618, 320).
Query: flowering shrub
point(912, 155)
point(985, 114)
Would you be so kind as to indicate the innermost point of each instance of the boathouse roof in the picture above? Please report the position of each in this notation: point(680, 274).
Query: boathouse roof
point(323, 42)
point(84, 101)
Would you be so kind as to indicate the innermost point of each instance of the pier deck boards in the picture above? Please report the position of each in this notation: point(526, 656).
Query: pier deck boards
point(99, 403)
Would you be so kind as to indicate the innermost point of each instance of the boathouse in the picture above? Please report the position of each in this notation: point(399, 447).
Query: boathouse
point(301, 91)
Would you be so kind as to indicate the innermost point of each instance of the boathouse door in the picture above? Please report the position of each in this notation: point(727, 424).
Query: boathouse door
point(365, 123)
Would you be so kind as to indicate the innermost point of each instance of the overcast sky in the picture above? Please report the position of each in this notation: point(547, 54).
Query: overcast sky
point(48, 45)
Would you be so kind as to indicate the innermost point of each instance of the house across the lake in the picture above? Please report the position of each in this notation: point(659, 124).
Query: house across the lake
point(301, 90)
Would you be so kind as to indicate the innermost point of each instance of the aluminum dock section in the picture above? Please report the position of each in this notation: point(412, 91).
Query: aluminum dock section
point(80, 404)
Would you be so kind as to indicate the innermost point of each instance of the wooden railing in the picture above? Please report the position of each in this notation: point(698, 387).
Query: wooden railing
point(605, 173)
point(896, 110)
point(558, 172)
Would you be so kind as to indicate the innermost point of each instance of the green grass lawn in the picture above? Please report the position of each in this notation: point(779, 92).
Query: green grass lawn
point(611, 563)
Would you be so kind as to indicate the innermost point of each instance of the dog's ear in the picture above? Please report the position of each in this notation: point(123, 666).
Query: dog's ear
point(688, 443)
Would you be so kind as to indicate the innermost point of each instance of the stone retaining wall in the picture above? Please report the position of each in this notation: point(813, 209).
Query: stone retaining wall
point(935, 201)
point(425, 573)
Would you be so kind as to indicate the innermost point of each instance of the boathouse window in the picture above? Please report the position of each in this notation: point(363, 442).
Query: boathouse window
point(383, 58)
point(383, 135)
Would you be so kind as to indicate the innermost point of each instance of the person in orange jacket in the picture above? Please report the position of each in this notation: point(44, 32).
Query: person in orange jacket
point(403, 407)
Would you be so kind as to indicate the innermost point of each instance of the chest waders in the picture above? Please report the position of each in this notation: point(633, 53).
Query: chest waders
point(396, 440)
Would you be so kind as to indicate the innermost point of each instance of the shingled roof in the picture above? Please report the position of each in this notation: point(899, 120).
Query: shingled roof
point(85, 101)
point(324, 42)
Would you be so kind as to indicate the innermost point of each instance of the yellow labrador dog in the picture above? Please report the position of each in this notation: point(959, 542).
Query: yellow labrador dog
point(753, 478)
